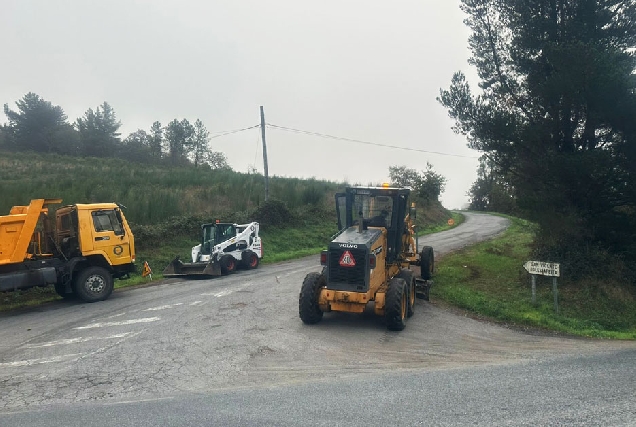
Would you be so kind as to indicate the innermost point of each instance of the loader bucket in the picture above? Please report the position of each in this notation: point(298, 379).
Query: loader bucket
point(177, 268)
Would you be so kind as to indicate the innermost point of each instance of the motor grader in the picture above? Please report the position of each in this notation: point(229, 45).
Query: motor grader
point(370, 259)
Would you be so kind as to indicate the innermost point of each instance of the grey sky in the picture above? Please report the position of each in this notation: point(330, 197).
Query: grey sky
point(367, 70)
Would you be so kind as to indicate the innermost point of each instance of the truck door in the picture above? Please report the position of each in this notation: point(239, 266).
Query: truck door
point(109, 235)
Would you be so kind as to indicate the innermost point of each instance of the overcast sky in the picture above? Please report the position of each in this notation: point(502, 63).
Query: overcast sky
point(361, 69)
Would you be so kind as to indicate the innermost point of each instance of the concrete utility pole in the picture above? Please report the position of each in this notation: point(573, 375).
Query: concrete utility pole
point(264, 154)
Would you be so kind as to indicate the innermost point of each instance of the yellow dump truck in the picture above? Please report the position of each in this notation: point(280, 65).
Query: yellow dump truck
point(80, 251)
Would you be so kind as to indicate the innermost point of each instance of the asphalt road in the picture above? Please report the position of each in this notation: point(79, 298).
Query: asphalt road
point(232, 351)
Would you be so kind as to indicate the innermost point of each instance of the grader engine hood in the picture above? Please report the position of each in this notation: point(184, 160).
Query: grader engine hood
point(348, 266)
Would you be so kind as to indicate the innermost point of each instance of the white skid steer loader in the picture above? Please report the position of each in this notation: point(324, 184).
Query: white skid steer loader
point(224, 247)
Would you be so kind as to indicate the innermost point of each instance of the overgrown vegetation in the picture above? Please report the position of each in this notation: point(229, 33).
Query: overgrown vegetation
point(489, 280)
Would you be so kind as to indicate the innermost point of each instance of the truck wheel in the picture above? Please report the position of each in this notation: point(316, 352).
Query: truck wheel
point(250, 260)
point(93, 284)
point(409, 278)
point(427, 262)
point(308, 307)
point(396, 303)
point(228, 264)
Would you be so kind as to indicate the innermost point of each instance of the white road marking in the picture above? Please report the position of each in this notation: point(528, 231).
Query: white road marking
point(116, 315)
point(218, 294)
point(76, 340)
point(197, 303)
point(125, 402)
point(163, 307)
point(125, 322)
point(30, 362)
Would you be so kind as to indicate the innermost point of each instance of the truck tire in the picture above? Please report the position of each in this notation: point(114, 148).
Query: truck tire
point(250, 260)
point(228, 264)
point(93, 284)
point(396, 303)
point(427, 262)
point(409, 278)
point(308, 308)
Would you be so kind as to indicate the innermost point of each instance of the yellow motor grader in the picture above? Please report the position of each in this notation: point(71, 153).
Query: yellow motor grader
point(370, 259)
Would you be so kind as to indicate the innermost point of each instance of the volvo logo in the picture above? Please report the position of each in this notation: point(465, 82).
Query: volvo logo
point(348, 246)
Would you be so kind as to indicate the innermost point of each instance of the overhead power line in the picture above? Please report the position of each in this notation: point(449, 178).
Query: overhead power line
point(229, 132)
point(339, 138)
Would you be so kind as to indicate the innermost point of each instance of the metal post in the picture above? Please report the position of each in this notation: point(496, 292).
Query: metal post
point(556, 298)
point(534, 288)
point(264, 155)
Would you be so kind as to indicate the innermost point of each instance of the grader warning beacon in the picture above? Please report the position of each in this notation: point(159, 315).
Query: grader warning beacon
point(370, 259)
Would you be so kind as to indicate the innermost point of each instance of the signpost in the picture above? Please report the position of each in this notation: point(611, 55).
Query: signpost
point(540, 268)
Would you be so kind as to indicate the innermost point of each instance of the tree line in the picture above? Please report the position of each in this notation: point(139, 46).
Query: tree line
point(38, 125)
point(555, 119)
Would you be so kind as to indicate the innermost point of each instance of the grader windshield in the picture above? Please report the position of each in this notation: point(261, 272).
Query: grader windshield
point(376, 210)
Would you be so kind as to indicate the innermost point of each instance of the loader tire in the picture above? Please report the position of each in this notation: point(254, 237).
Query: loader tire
point(427, 262)
point(250, 260)
point(409, 278)
point(396, 303)
point(308, 308)
point(93, 284)
point(228, 264)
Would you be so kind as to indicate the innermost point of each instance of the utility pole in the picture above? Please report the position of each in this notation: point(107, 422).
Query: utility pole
point(264, 154)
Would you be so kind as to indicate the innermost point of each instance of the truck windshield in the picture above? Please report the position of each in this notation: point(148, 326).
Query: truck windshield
point(106, 220)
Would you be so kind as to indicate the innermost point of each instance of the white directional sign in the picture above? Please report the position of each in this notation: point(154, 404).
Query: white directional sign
point(543, 268)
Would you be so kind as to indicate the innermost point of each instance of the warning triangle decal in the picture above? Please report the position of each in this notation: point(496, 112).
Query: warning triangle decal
point(347, 260)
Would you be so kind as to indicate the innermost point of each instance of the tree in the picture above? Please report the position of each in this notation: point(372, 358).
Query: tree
point(179, 140)
point(98, 131)
point(156, 140)
point(200, 141)
point(428, 185)
point(555, 113)
point(38, 125)
point(137, 147)
point(491, 191)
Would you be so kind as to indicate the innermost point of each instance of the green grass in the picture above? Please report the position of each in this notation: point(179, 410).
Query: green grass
point(489, 280)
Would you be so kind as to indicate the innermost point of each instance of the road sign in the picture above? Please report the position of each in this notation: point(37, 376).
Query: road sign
point(543, 268)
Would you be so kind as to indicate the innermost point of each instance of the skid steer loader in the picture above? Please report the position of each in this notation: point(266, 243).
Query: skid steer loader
point(224, 247)
point(370, 259)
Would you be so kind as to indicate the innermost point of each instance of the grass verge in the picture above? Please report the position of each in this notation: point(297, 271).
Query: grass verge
point(488, 279)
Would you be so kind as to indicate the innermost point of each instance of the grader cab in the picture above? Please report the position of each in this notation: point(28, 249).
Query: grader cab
point(370, 259)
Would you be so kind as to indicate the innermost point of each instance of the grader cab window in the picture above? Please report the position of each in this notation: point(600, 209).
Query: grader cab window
point(107, 220)
point(377, 210)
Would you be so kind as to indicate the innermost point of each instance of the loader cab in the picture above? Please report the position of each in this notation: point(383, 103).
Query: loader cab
point(381, 207)
point(214, 234)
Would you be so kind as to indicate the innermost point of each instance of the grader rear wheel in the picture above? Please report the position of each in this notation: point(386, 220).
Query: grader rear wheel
point(308, 307)
point(395, 309)
point(409, 278)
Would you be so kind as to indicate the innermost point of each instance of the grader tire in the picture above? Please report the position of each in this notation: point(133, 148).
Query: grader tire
point(427, 262)
point(395, 308)
point(409, 278)
point(308, 308)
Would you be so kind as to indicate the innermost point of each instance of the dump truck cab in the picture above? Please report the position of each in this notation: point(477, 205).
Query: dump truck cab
point(98, 232)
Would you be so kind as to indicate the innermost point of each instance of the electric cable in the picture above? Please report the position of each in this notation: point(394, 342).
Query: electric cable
point(339, 138)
